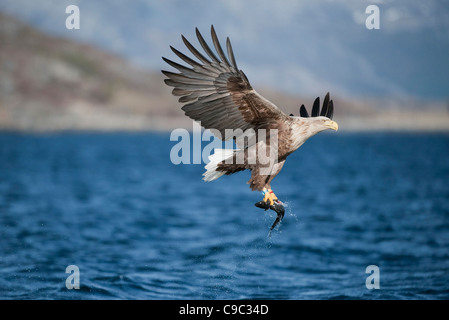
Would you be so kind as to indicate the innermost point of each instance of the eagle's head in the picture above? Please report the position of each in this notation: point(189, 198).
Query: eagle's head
point(307, 126)
point(319, 121)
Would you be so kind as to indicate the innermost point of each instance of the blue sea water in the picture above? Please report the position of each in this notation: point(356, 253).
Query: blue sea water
point(139, 227)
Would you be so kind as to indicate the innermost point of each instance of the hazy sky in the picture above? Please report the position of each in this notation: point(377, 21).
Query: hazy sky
point(306, 47)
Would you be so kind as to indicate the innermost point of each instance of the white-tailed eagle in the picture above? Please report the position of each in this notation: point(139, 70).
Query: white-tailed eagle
point(218, 95)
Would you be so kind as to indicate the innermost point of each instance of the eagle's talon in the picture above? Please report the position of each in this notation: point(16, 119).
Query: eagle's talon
point(269, 197)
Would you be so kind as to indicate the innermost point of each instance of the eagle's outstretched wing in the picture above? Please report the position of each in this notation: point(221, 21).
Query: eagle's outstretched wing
point(326, 111)
point(217, 93)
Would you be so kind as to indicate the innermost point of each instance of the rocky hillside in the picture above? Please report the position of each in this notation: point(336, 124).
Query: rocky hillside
point(49, 83)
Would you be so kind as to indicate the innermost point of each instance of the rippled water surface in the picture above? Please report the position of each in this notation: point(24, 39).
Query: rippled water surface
point(139, 227)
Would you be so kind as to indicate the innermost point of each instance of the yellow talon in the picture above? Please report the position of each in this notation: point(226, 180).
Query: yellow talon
point(266, 197)
point(269, 195)
point(272, 193)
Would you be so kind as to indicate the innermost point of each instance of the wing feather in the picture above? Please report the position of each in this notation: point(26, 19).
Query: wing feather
point(217, 93)
point(330, 112)
point(316, 107)
point(185, 79)
point(326, 111)
point(198, 74)
point(303, 112)
point(215, 61)
point(195, 52)
point(231, 55)
point(218, 47)
point(195, 95)
point(187, 86)
point(325, 108)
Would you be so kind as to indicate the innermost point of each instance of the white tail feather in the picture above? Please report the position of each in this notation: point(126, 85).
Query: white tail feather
point(216, 158)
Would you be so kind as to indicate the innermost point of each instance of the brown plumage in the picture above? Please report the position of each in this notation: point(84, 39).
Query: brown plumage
point(216, 93)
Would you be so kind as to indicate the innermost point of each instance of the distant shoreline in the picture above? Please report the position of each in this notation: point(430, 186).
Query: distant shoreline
point(51, 84)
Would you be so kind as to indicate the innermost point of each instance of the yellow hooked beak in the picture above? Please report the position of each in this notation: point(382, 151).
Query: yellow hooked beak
point(331, 124)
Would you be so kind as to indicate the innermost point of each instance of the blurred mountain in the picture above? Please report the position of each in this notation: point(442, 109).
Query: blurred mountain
point(52, 83)
point(301, 47)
